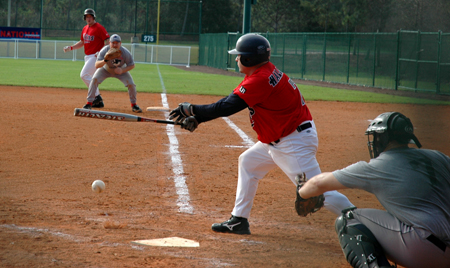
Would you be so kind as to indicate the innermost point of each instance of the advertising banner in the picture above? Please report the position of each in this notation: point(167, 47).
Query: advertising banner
point(20, 33)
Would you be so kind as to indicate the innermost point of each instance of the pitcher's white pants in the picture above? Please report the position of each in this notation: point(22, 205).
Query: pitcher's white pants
point(294, 154)
point(88, 70)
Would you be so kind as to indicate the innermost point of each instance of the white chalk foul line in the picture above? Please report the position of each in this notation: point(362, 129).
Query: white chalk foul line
point(37, 231)
point(246, 139)
point(184, 199)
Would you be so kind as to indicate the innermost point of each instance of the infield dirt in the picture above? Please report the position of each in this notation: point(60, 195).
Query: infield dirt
point(48, 159)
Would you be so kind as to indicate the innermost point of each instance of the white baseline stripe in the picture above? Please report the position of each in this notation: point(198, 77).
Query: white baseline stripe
point(177, 164)
point(246, 139)
point(183, 201)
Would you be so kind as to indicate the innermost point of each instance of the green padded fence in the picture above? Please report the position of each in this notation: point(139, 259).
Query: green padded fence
point(404, 60)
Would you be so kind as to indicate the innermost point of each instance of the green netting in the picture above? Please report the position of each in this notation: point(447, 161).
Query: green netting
point(404, 60)
point(214, 50)
point(444, 66)
point(418, 62)
point(65, 18)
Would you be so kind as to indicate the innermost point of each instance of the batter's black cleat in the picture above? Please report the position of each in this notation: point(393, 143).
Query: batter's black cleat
point(235, 225)
point(87, 106)
point(136, 109)
point(98, 102)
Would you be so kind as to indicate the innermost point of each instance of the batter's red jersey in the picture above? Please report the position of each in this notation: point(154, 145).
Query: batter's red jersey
point(94, 38)
point(276, 105)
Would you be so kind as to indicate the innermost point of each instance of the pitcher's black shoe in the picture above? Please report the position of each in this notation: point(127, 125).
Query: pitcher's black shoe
point(98, 102)
point(235, 225)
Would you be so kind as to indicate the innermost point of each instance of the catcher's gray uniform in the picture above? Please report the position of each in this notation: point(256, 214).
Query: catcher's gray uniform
point(413, 186)
point(108, 71)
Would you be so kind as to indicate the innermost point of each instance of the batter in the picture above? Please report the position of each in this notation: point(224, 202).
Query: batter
point(411, 184)
point(287, 135)
point(118, 68)
point(93, 38)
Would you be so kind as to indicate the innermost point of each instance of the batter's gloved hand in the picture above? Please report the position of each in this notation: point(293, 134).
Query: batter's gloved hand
point(190, 123)
point(112, 53)
point(184, 110)
point(67, 48)
point(306, 206)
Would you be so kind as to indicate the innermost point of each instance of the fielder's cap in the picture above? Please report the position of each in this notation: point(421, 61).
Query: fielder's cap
point(115, 38)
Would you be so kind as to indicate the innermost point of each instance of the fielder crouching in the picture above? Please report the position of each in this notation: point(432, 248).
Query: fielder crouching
point(114, 66)
point(411, 184)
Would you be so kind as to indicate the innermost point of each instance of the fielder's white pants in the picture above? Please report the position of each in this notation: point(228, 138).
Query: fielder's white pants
point(88, 70)
point(294, 154)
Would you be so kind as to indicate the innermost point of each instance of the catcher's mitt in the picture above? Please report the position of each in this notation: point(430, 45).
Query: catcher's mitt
point(306, 206)
point(113, 53)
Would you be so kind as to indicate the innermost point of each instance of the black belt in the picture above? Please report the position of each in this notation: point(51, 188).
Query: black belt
point(299, 129)
point(304, 126)
point(437, 242)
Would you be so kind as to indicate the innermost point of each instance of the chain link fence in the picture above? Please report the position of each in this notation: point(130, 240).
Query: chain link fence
point(53, 50)
point(404, 60)
point(178, 20)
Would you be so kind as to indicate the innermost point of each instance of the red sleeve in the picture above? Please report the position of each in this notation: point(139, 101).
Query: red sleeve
point(105, 34)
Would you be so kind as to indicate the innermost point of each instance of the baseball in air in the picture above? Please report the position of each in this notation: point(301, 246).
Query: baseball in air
point(98, 186)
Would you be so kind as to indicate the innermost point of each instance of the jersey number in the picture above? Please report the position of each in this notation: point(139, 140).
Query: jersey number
point(294, 86)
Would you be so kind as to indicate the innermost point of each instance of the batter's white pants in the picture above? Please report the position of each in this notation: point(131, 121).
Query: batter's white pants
point(88, 70)
point(294, 154)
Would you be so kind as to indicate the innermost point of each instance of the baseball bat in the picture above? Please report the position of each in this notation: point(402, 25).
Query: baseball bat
point(117, 116)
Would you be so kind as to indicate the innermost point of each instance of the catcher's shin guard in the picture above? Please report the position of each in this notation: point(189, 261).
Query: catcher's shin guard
point(359, 245)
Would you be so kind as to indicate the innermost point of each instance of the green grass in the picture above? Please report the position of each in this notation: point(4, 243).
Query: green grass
point(51, 73)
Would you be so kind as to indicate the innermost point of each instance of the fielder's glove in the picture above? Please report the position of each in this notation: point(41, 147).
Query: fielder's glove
point(116, 61)
point(183, 111)
point(306, 206)
point(113, 53)
point(190, 123)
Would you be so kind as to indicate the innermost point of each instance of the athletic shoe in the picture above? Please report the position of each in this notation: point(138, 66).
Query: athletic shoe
point(136, 109)
point(87, 106)
point(98, 102)
point(235, 225)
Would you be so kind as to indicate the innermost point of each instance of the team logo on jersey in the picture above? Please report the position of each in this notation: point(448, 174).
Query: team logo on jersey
point(275, 77)
point(88, 38)
point(242, 90)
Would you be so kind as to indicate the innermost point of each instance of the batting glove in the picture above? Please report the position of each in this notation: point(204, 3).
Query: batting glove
point(190, 123)
point(183, 111)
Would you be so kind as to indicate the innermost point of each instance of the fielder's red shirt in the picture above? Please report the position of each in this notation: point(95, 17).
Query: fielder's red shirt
point(275, 103)
point(94, 38)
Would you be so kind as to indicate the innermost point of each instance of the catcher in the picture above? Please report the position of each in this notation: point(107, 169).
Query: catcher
point(114, 61)
point(411, 184)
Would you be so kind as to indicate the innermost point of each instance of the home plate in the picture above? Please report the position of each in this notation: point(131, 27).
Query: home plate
point(168, 242)
point(158, 108)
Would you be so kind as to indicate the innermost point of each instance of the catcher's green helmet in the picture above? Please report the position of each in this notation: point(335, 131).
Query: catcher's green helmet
point(89, 11)
point(389, 127)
